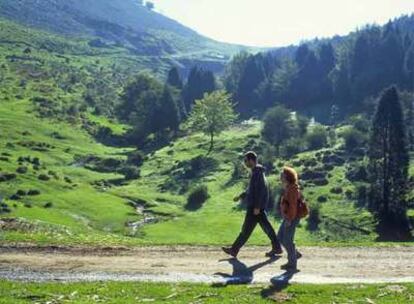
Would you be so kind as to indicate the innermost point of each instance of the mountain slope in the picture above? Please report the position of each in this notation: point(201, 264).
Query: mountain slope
point(117, 22)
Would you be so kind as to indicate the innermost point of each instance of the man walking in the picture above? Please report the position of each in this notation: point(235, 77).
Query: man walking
point(257, 196)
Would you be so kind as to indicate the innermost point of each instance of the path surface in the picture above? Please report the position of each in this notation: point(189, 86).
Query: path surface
point(206, 264)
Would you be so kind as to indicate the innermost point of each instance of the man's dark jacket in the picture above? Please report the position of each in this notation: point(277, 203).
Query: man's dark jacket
point(257, 193)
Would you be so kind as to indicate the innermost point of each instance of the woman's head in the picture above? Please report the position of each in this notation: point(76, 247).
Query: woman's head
point(289, 176)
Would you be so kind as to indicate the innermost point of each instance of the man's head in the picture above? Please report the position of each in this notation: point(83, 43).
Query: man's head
point(250, 159)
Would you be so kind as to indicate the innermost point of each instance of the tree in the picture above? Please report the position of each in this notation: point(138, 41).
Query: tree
point(175, 82)
point(388, 167)
point(169, 115)
point(174, 79)
point(149, 5)
point(199, 82)
point(149, 106)
point(212, 114)
point(317, 138)
point(250, 79)
point(278, 126)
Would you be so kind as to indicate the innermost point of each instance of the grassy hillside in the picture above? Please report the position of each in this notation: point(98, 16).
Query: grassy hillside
point(60, 184)
point(53, 192)
point(125, 24)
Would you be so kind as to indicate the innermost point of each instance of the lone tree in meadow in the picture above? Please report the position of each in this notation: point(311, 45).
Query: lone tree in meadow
point(388, 167)
point(212, 115)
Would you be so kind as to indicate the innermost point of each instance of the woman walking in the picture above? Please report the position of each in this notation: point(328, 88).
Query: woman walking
point(289, 211)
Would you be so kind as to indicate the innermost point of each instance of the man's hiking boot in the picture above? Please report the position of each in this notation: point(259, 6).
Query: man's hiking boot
point(274, 252)
point(230, 251)
point(289, 267)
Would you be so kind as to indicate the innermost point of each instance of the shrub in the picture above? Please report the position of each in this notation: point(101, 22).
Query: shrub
point(130, 172)
point(15, 197)
point(321, 182)
point(22, 170)
point(313, 219)
point(353, 138)
point(197, 198)
point(136, 158)
point(36, 161)
point(322, 199)
point(4, 177)
point(33, 192)
point(48, 205)
point(43, 177)
point(337, 190)
point(317, 138)
point(21, 192)
point(292, 146)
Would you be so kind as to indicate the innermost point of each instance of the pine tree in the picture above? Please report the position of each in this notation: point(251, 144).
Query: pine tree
point(253, 74)
point(199, 82)
point(388, 167)
point(169, 111)
point(174, 79)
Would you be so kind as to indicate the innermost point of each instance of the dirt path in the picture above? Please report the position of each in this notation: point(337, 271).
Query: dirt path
point(206, 264)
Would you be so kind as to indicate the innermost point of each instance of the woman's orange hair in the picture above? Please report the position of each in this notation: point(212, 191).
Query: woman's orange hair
point(291, 175)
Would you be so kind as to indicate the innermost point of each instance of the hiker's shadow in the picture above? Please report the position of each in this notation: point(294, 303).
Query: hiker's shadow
point(279, 283)
point(241, 273)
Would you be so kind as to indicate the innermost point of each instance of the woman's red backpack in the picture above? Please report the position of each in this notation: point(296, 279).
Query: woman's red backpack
point(303, 207)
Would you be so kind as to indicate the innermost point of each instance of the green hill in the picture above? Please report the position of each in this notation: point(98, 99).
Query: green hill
point(60, 186)
point(127, 24)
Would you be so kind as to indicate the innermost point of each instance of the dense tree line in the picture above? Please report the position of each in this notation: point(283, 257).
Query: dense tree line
point(157, 108)
point(341, 72)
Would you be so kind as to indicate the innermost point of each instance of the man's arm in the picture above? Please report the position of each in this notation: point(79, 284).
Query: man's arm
point(259, 186)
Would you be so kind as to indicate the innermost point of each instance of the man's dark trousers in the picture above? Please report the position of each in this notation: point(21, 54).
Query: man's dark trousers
point(250, 222)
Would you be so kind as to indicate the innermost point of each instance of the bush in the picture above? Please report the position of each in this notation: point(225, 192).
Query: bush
point(4, 177)
point(313, 219)
point(353, 138)
point(48, 205)
point(317, 138)
point(136, 158)
point(292, 146)
point(322, 199)
point(21, 170)
point(130, 172)
point(337, 190)
point(21, 192)
point(15, 197)
point(197, 198)
point(33, 192)
point(43, 177)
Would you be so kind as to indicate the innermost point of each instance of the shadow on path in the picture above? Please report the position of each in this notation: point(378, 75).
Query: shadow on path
point(279, 283)
point(241, 273)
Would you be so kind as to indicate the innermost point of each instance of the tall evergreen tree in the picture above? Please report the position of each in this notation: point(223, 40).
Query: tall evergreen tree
point(174, 79)
point(169, 111)
point(388, 167)
point(199, 82)
point(252, 76)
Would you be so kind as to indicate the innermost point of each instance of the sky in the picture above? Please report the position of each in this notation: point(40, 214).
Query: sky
point(279, 22)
